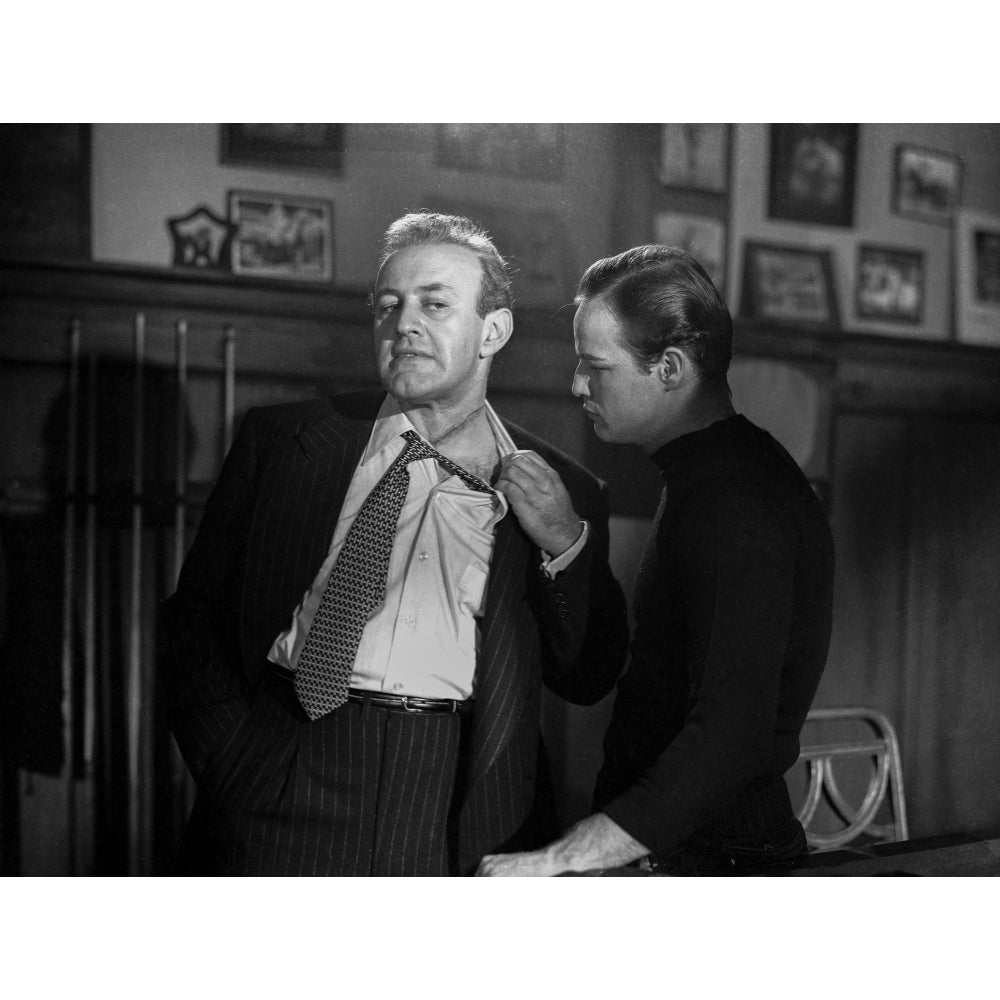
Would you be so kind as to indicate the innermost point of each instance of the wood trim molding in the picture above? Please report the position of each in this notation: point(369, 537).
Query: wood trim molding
point(305, 331)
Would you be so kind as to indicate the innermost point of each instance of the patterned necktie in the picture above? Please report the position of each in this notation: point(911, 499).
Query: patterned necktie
point(357, 583)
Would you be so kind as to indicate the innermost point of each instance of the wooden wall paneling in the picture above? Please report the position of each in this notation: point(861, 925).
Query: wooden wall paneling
point(869, 529)
point(917, 534)
point(951, 687)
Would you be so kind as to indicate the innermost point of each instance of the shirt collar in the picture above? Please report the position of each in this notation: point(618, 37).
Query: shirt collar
point(391, 423)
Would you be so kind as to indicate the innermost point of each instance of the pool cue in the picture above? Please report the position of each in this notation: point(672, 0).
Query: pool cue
point(90, 588)
point(178, 769)
point(229, 351)
point(69, 568)
point(134, 686)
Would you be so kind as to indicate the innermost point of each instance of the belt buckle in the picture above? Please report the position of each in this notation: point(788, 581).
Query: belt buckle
point(406, 699)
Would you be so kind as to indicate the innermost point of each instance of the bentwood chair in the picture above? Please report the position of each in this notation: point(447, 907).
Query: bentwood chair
point(852, 814)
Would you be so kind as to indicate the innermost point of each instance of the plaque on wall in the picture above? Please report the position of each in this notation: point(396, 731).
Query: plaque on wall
point(45, 194)
point(202, 239)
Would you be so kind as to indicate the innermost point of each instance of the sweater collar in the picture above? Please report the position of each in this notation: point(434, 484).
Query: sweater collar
point(688, 447)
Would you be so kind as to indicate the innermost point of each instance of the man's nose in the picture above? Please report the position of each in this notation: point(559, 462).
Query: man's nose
point(581, 385)
point(407, 319)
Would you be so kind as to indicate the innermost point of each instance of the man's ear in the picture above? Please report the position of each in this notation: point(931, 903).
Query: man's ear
point(672, 368)
point(497, 329)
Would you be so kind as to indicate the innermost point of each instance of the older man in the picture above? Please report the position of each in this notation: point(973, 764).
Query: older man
point(732, 601)
point(378, 587)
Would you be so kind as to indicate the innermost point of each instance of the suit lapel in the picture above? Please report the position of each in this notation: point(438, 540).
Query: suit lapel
point(301, 494)
point(502, 675)
point(328, 451)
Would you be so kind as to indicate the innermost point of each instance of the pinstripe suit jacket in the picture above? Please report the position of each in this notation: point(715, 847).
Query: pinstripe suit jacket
point(265, 530)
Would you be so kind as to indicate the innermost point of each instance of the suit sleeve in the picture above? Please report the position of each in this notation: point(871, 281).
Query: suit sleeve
point(738, 567)
point(582, 612)
point(199, 648)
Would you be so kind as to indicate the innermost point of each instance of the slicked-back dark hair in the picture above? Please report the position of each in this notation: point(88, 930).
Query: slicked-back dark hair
point(428, 228)
point(663, 298)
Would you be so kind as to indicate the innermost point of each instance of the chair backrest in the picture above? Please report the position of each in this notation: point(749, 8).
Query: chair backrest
point(884, 780)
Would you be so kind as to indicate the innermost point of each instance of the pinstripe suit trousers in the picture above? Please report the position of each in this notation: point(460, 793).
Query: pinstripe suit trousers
point(361, 791)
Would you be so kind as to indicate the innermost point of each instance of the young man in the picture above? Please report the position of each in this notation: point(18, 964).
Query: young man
point(377, 589)
point(732, 600)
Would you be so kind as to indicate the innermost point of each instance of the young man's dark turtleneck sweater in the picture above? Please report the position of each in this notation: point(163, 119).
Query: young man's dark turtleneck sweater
point(732, 607)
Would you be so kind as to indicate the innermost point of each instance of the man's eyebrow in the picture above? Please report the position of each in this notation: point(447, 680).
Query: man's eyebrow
point(583, 356)
point(436, 286)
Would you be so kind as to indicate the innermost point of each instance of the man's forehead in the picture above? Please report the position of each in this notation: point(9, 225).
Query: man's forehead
point(428, 265)
point(597, 331)
point(594, 318)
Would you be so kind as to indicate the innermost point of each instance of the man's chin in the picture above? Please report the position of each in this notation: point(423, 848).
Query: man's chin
point(407, 389)
point(602, 431)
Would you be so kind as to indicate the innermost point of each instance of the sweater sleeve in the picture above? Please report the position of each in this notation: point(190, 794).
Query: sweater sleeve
point(581, 613)
point(735, 553)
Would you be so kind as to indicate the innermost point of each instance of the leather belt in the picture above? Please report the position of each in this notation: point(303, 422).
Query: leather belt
point(397, 702)
point(410, 703)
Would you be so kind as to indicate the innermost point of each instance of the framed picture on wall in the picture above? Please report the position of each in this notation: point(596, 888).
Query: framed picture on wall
point(890, 284)
point(702, 236)
point(927, 184)
point(532, 240)
point(695, 157)
point(281, 236)
point(533, 150)
point(812, 171)
point(977, 275)
point(789, 286)
point(283, 145)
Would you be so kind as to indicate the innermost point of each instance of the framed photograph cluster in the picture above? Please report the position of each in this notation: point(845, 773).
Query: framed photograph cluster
point(789, 286)
point(264, 235)
point(812, 180)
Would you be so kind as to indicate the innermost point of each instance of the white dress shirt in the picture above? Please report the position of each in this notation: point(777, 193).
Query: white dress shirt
point(423, 639)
